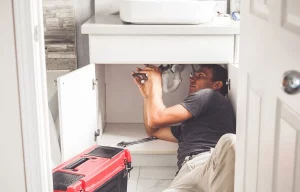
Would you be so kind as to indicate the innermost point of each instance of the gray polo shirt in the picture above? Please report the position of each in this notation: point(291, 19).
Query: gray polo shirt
point(213, 116)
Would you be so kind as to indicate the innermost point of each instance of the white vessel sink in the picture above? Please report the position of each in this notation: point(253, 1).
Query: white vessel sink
point(167, 11)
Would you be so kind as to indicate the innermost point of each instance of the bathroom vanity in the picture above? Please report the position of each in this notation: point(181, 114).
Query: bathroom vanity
point(100, 103)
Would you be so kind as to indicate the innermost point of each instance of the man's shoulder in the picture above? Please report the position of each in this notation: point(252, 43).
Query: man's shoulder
point(201, 96)
point(205, 92)
point(210, 96)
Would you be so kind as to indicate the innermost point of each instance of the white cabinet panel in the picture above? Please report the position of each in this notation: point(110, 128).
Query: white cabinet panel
point(253, 133)
point(288, 143)
point(237, 49)
point(291, 15)
point(286, 156)
point(260, 8)
point(161, 49)
point(233, 70)
point(77, 110)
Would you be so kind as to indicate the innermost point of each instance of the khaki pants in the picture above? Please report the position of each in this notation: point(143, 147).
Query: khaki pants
point(208, 172)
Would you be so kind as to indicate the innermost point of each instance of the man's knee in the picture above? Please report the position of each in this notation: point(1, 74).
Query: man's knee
point(227, 139)
point(226, 143)
point(224, 163)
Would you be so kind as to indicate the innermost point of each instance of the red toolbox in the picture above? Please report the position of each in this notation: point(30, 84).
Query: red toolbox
point(98, 169)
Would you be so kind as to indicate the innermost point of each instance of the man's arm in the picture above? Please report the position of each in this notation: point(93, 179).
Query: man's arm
point(160, 116)
point(149, 130)
point(160, 133)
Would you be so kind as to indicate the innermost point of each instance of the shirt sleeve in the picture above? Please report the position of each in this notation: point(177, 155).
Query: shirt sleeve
point(176, 131)
point(198, 102)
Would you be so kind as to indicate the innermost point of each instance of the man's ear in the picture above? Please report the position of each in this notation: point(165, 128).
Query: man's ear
point(217, 85)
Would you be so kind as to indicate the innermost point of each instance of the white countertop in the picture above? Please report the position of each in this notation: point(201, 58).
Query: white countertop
point(112, 25)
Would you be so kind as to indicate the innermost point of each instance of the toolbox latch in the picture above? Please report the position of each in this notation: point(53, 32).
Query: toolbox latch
point(128, 167)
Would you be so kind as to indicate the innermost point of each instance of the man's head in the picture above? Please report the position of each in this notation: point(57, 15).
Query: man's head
point(211, 76)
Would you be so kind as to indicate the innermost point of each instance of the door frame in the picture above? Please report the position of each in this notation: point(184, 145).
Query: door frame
point(29, 39)
point(30, 49)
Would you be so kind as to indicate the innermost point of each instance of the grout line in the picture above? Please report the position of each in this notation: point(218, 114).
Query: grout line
point(155, 179)
point(138, 177)
point(136, 187)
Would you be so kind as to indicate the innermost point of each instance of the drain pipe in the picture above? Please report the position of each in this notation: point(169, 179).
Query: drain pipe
point(176, 69)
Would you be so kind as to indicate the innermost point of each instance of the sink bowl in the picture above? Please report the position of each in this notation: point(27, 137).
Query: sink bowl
point(167, 11)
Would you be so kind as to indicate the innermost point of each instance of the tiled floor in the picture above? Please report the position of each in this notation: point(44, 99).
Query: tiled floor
point(150, 179)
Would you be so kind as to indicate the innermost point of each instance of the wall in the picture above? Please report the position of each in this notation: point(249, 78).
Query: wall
point(66, 47)
point(12, 175)
point(128, 100)
point(234, 5)
point(84, 9)
point(60, 34)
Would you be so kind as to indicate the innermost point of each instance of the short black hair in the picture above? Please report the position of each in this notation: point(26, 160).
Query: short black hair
point(219, 73)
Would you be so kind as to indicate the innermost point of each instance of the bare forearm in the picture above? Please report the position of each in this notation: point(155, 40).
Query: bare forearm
point(149, 130)
point(163, 133)
point(154, 105)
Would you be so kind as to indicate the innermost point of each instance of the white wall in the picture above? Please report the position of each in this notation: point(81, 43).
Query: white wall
point(84, 9)
point(126, 106)
point(12, 175)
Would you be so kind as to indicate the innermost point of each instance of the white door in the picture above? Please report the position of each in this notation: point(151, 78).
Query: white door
point(77, 97)
point(268, 126)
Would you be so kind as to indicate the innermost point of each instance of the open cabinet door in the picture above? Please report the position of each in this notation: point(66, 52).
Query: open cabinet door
point(268, 123)
point(77, 97)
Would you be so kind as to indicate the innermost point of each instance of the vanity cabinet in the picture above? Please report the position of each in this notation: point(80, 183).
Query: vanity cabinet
point(100, 104)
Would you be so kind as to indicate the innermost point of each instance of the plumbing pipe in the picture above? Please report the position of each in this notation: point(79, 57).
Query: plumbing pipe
point(176, 80)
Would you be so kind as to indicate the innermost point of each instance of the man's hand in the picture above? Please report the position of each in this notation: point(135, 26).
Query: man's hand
point(153, 84)
point(141, 86)
point(153, 73)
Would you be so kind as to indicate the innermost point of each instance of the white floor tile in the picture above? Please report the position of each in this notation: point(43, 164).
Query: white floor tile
point(134, 173)
point(132, 185)
point(151, 160)
point(157, 173)
point(152, 185)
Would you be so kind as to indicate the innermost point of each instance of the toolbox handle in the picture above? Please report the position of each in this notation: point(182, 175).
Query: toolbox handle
point(76, 163)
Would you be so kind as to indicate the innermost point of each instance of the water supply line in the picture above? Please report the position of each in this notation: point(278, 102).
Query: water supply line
point(176, 69)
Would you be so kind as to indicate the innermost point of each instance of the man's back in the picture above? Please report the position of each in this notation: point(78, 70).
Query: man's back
point(213, 117)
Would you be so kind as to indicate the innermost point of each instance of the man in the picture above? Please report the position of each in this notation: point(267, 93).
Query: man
point(206, 117)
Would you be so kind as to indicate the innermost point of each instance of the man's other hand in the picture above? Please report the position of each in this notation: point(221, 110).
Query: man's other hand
point(153, 74)
point(153, 84)
point(141, 86)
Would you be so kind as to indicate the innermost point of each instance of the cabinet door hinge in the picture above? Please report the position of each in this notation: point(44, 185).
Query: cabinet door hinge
point(228, 84)
point(95, 83)
point(55, 83)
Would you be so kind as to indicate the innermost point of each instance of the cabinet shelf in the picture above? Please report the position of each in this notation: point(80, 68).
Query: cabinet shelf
point(117, 132)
